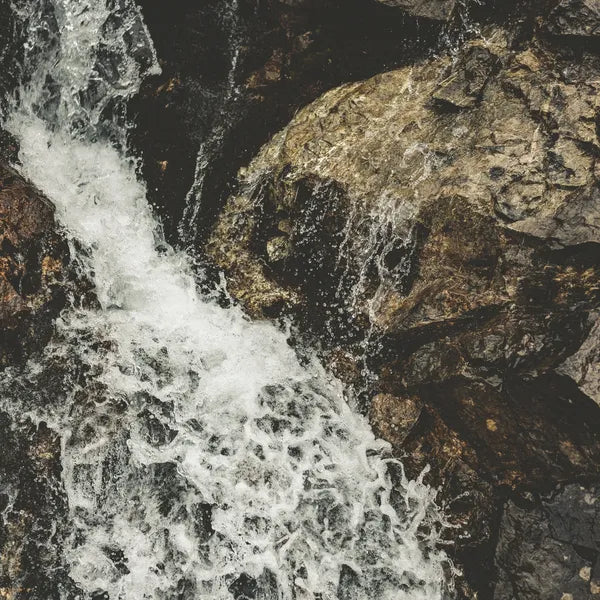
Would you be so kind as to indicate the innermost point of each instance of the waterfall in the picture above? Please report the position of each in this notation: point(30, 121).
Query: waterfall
point(200, 457)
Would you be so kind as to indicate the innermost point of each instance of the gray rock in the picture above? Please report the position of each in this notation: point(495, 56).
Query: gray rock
point(533, 565)
point(577, 221)
point(584, 366)
point(575, 18)
point(439, 10)
point(573, 515)
point(548, 548)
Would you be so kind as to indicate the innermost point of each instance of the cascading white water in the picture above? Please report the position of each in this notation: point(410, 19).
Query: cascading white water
point(200, 458)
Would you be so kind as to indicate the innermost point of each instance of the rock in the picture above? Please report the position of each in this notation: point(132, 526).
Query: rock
point(278, 248)
point(548, 546)
point(576, 221)
point(36, 277)
point(34, 268)
point(440, 10)
point(10, 59)
point(9, 148)
point(575, 18)
point(394, 416)
point(31, 496)
point(11, 50)
point(234, 73)
point(573, 514)
point(464, 85)
point(37, 281)
point(584, 365)
point(440, 222)
point(497, 166)
point(533, 564)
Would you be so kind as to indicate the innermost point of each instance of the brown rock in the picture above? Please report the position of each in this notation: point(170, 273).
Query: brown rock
point(394, 162)
point(35, 278)
point(393, 417)
point(464, 85)
point(34, 262)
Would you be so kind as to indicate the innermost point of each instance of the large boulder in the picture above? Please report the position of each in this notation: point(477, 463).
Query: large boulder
point(436, 228)
point(233, 73)
point(499, 145)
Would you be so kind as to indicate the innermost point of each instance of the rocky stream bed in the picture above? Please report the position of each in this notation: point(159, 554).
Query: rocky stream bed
point(412, 186)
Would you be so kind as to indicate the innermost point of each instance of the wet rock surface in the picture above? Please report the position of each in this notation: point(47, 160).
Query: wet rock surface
point(34, 268)
point(234, 72)
point(549, 547)
point(436, 9)
point(575, 18)
point(434, 228)
point(36, 279)
point(31, 497)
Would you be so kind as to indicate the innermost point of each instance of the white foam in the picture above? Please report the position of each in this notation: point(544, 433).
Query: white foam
point(197, 448)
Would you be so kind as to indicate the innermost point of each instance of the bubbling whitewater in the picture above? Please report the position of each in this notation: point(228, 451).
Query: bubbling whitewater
point(200, 458)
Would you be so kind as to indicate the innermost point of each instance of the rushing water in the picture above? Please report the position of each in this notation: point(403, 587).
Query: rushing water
point(200, 458)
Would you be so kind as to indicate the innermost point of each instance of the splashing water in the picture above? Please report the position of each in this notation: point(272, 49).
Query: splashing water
point(200, 458)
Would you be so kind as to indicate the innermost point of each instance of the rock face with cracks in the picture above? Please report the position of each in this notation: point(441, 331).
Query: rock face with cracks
point(436, 227)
